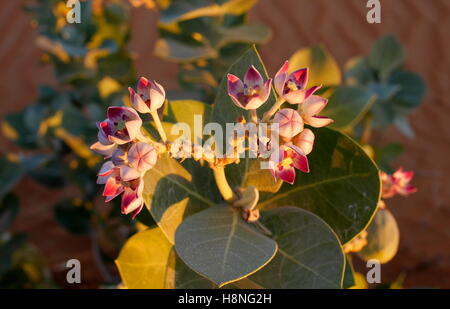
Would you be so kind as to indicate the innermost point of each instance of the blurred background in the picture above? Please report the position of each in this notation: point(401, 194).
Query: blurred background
point(341, 27)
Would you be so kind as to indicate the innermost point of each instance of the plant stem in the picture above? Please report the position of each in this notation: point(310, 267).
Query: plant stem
point(159, 126)
point(254, 116)
point(222, 183)
point(273, 109)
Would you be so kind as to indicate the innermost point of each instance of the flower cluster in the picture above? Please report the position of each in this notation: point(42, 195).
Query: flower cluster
point(397, 183)
point(131, 155)
point(297, 141)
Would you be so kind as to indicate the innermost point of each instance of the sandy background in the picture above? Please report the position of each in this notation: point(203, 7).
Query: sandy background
point(340, 25)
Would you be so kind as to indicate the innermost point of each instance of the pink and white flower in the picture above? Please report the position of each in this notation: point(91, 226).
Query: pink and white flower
point(122, 126)
point(292, 87)
point(150, 96)
point(289, 121)
point(251, 93)
point(285, 160)
point(310, 109)
point(122, 179)
point(397, 183)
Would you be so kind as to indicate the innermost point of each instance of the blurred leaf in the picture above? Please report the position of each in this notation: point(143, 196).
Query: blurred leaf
point(190, 9)
point(383, 238)
point(74, 218)
point(10, 174)
point(359, 72)
point(9, 208)
point(386, 56)
point(402, 123)
point(384, 92)
point(309, 254)
point(247, 33)
point(107, 86)
point(347, 105)
point(412, 89)
point(173, 50)
point(323, 68)
point(385, 155)
point(343, 186)
point(216, 241)
point(7, 250)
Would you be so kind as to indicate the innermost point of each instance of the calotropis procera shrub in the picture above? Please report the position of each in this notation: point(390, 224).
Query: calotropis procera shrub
point(270, 207)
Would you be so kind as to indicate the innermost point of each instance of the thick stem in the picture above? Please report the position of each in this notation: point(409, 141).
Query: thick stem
point(273, 109)
point(254, 116)
point(159, 126)
point(222, 183)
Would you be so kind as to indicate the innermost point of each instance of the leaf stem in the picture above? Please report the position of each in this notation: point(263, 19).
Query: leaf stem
point(159, 126)
point(222, 184)
point(273, 109)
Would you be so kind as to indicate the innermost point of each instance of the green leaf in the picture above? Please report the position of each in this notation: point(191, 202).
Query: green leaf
point(402, 123)
point(383, 237)
point(309, 254)
point(142, 261)
point(190, 9)
point(174, 191)
point(386, 56)
point(323, 68)
point(9, 208)
point(177, 51)
point(347, 105)
point(219, 245)
point(343, 187)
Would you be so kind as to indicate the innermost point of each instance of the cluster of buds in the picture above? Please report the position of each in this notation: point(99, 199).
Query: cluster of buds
point(129, 152)
point(296, 140)
point(397, 183)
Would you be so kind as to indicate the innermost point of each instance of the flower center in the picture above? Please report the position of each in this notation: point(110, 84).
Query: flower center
point(249, 91)
point(291, 85)
point(286, 163)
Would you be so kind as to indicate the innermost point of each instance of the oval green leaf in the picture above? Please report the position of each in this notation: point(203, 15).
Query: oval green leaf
point(309, 254)
point(219, 245)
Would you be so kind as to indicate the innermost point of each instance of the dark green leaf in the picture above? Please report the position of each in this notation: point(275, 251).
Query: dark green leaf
point(309, 254)
point(386, 56)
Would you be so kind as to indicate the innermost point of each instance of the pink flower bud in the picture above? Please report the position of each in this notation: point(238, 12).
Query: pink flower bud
point(305, 141)
point(142, 156)
point(290, 122)
point(150, 96)
point(122, 126)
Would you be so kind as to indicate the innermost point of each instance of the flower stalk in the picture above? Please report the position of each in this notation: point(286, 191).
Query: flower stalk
point(159, 126)
point(273, 109)
point(222, 184)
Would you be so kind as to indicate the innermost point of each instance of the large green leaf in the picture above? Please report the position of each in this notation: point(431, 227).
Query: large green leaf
point(386, 56)
point(323, 68)
point(219, 245)
point(349, 274)
point(347, 105)
point(309, 254)
point(343, 187)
